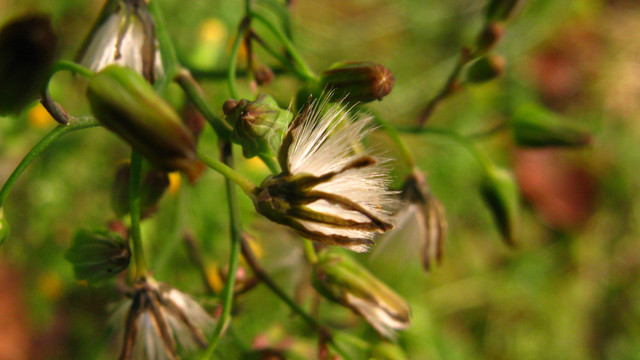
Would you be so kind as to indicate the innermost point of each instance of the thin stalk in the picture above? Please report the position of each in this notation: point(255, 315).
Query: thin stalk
point(58, 131)
point(271, 163)
point(295, 56)
point(231, 73)
point(168, 53)
point(135, 181)
point(259, 272)
point(193, 91)
point(228, 172)
point(56, 111)
point(393, 134)
point(466, 143)
point(221, 74)
point(234, 256)
point(285, 62)
point(72, 67)
point(310, 252)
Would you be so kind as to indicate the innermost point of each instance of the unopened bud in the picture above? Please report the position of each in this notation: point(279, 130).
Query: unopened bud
point(358, 81)
point(126, 104)
point(27, 51)
point(387, 351)
point(535, 126)
point(489, 37)
point(343, 280)
point(98, 256)
point(257, 125)
point(263, 74)
point(500, 10)
point(154, 184)
point(485, 69)
point(4, 227)
point(500, 193)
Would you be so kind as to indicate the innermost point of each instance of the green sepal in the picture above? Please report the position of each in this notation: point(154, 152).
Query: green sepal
point(98, 256)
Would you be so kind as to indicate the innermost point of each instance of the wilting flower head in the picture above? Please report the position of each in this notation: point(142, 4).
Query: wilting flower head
point(343, 280)
point(124, 34)
point(155, 317)
point(328, 191)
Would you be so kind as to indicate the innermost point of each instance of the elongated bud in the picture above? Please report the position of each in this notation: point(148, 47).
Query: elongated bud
point(126, 104)
point(27, 51)
point(4, 227)
point(154, 185)
point(485, 69)
point(500, 193)
point(343, 280)
point(358, 81)
point(535, 126)
point(430, 215)
point(500, 10)
point(257, 125)
point(98, 256)
point(489, 37)
point(123, 34)
point(387, 351)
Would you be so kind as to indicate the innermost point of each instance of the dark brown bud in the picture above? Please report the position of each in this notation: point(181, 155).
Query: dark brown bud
point(485, 69)
point(263, 74)
point(489, 37)
point(358, 81)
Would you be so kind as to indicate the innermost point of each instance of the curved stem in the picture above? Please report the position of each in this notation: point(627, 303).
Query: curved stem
point(466, 143)
point(135, 182)
point(234, 257)
point(72, 67)
point(310, 252)
point(75, 124)
point(271, 163)
point(391, 131)
point(228, 172)
point(295, 56)
point(286, 63)
point(193, 91)
point(167, 50)
point(231, 73)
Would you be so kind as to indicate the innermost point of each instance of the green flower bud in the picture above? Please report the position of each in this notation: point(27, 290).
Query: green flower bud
point(343, 280)
point(500, 10)
point(154, 184)
point(257, 125)
point(127, 104)
point(430, 215)
point(98, 256)
point(500, 193)
point(358, 81)
point(4, 227)
point(535, 126)
point(387, 351)
point(489, 37)
point(27, 51)
point(485, 69)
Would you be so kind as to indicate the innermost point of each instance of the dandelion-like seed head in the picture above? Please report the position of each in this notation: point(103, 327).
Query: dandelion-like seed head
point(331, 189)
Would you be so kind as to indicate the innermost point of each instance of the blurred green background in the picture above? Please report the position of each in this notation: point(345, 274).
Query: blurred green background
point(570, 290)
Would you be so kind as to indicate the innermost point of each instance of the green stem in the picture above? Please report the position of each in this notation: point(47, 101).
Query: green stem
point(271, 163)
point(228, 172)
point(74, 124)
point(286, 63)
point(72, 67)
point(135, 182)
point(193, 91)
point(393, 134)
point(233, 60)
point(168, 53)
point(466, 143)
point(234, 257)
point(295, 56)
point(310, 252)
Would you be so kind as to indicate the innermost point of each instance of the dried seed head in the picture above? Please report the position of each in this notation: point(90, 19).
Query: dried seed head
point(343, 280)
point(327, 191)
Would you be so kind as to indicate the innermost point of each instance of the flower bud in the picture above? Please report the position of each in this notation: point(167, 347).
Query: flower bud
point(257, 125)
point(341, 279)
point(358, 81)
point(500, 193)
point(387, 351)
point(500, 10)
point(124, 34)
point(154, 184)
point(489, 37)
point(27, 51)
point(429, 213)
point(4, 227)
point(97, 256)
point(126, 104)
point(535, 126)
point(263, 74)
point(485, 69)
